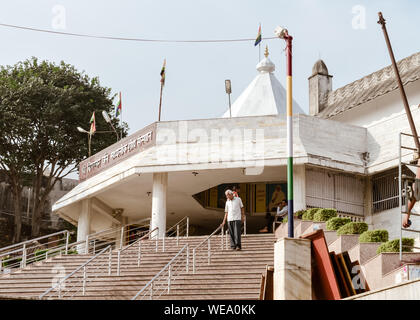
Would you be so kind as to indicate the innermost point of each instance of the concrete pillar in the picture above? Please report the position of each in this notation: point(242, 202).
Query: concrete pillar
point(160, 185)
point(299, 187)
point(368, 210)
point(292, 269)
point(83, 224)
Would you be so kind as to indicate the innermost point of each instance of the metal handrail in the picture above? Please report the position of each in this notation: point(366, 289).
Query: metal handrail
point(147, 235)
point(177, 226)
point(170, 273)
point(221, 228)
point(32, 240)
point(28, 254)
point(61, 282)
point(23, 259)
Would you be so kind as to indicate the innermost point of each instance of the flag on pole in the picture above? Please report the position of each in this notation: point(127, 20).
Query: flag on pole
point(162, 73)
point(119, 107)
point(92, 124)
point(258, 39)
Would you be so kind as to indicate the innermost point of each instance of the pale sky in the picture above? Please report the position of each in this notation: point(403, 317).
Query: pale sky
point(196, 72)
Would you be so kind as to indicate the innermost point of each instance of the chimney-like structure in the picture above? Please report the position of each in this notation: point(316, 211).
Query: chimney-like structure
point(320, 84)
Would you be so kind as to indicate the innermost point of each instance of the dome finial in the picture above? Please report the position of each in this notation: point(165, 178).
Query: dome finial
point(266, 51)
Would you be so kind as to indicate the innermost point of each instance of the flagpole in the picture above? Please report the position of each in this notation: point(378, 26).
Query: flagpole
point(160, 101)
point(259, 44)
point(89, 141)
point(121, 123)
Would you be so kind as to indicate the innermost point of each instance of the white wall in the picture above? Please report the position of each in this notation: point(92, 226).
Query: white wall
point(390, 220)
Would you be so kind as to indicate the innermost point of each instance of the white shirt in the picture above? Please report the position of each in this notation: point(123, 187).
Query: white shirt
point(282, 212)
point(233, 208)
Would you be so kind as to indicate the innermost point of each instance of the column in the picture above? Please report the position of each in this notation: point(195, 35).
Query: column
point(160, 185)
point(299, 187)
point(83, 224)
point(292, 269)
point(368, 212)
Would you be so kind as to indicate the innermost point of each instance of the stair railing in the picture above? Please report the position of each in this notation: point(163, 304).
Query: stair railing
point(139, 250)
point(161, 283)
point(196, 250)
point(77, 280)
point(21, 254)
point(181, 228)
point(117, 237)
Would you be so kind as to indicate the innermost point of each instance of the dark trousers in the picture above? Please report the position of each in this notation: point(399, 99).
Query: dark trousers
point(235, 233)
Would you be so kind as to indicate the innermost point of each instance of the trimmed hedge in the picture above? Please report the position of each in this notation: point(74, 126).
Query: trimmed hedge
point(394, 246)
point(374, 236)
point(309, 214)
point(353, 228)
point(323, 215)
point(300, 213)
point(336, 223)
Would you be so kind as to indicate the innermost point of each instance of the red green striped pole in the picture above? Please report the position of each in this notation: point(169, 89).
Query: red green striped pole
point(289, 39)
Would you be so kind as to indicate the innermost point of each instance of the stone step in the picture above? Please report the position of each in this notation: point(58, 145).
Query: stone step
point(363, 252)
point(380, 265)
point(344, 243)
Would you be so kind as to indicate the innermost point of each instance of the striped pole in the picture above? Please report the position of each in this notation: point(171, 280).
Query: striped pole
point(289, 39)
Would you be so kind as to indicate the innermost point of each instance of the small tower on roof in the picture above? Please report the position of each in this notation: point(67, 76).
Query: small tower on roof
point(264, 96)
point(320, 85)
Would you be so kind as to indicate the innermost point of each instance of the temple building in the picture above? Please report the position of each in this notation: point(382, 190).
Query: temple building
point(345, 157)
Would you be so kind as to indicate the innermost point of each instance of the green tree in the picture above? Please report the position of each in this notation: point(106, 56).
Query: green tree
point(41, 106)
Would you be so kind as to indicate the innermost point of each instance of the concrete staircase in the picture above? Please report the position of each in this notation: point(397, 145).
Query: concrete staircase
point(380, 270)
point(231, 275)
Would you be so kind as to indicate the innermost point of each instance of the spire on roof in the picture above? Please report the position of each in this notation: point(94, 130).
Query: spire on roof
point(266, 65)
point(264, 95)
point(319, 68)
point(266, 51)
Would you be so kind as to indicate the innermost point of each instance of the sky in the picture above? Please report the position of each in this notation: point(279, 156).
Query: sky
point(344, 34)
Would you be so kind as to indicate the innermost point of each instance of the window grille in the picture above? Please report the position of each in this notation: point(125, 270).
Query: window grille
point(385, 194)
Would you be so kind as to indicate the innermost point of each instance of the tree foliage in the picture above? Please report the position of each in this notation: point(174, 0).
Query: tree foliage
point(41, 106)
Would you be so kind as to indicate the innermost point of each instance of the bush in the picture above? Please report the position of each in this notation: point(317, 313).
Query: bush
point(374, 236)
point(285, 220)
point(309, 214)
point(335, 223)
point(40, 254)
point(394, 246)
point(300, 213)
point(323, 215)
point(353, 228)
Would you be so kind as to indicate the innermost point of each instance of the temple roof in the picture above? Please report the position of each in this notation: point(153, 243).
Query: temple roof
point(371, 87)
point(264, 96)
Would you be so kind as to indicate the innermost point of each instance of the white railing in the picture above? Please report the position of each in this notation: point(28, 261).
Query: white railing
point(77, 280)
point(203, 253)
point(21, 254)
point(161, 283)
point(139, 250)
point(117, 237)
point(181, 228)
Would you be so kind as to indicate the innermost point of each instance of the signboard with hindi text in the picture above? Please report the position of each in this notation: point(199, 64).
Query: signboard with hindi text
point(123, 149)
